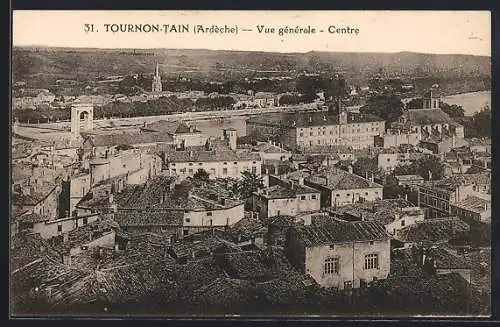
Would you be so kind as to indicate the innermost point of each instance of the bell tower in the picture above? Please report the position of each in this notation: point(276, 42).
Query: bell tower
point(82, 116)
point(156, 86)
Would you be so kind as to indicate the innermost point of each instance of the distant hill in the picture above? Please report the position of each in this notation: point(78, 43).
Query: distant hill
point(49, 64)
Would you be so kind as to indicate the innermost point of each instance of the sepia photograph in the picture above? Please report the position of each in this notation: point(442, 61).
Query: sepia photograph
point(250, 164)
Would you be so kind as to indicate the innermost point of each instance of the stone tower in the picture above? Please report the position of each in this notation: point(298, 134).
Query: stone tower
point(79, 112)
point(156, 86)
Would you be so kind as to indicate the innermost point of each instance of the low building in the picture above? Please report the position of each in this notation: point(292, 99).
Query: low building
point(180, 132)
point(396, 138)
point(444, 260)
point(473, 207)
point(217, 162)
point(287, 198)
point(303, 130)
point(409, 180)
point(393, 214)
point(436, 197)
point(433, 231)
point(342, 255)
point(339, 187)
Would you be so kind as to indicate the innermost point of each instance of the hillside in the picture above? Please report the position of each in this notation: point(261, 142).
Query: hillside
point(47, 64)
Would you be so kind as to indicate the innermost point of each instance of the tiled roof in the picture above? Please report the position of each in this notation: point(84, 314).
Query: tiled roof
point(433, 230)
point(211, 156)
point(170, 127)
point(382, 211)
point(149, 218)
point(474, 203)
point(32, 218)
point(268, 148)
point(446, 258)
point(260, 265)
point(130, 138)
point(427, 116)
point(338, 179)
point(285, 191)
point(340, 232)
point(299, 120)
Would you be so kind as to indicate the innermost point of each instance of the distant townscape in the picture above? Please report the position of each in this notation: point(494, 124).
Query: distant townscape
point(301, 187)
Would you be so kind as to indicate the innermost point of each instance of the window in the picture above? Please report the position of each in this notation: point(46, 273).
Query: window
point(59, 228)
point(173, 164)
point(371, 261)
point(331, 266)
point(224, 171)
point(302, 197)
point(190, 171)
point(188, 220)
point(348, 194)
point(371, 242)
point(185, 232)
point(311, 134)
point(85, 221)
point(200, 164)
point(225, 163)
point(301, 134)
point(337, 195)
point(254, 170)
point(402, 222)
point(174, 171)
point(313, 197)
point(235, 163)
point(209, 214)
point(190, 163)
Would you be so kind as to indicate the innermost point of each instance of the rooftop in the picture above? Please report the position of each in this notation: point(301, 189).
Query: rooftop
point(338, 179)
point(129, 138)
point(382, 211)
point(427, 116)
point(474, 203)
point(433, 230)
point(211, 156)
point(170, 127)
point(341, 232)
point(301, 120)
point(285, 191)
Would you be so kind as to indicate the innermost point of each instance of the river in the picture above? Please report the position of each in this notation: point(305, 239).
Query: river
point(471, 102)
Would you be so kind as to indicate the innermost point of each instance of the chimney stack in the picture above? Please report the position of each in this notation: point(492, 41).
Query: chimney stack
point(301, 180)
point(276, 172)
point(349, 169)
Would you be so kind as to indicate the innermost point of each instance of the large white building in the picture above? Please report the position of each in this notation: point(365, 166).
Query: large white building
point(305, 130)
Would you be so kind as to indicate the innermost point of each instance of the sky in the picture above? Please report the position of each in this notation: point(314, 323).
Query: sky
point(442, 32)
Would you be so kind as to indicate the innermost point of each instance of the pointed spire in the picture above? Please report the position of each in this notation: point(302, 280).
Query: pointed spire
point(157, 71)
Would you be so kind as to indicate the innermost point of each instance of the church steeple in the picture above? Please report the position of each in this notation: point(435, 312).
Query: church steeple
point(156, 85)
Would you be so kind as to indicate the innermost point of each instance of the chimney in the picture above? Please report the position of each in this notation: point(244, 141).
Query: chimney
point(406, 197)
point(65, 237)
point(310, 119)
point(349, 169)
point(301, 180)
point(190, 154)
point(324, 118)
point(453, 140)
point(276, 172)
point(270, 142)
point(292, 184)
point(371, 178)
point(430, 175)
point(111, 198)
point(267, 171)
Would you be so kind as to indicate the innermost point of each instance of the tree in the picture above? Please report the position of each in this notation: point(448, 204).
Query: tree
point(250, 183)
point(482, 121)
point(392, 189)
point(365, 165)
point(201, 175)
point(454, 111)
point(386, 106)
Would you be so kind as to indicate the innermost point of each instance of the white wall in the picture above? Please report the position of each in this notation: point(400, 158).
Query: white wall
point(351, 263)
